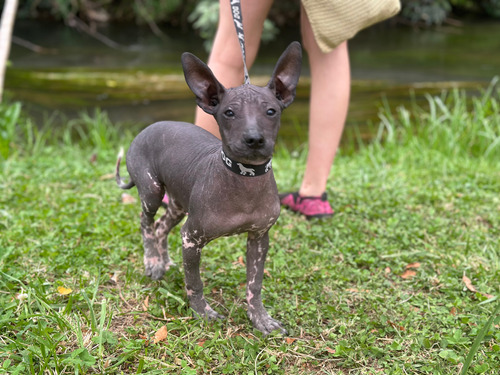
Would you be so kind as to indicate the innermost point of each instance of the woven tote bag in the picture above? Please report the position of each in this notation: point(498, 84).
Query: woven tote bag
point(334, 21)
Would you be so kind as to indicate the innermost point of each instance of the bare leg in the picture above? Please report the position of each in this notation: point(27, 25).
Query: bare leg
point(330, 89)
point(225, 58)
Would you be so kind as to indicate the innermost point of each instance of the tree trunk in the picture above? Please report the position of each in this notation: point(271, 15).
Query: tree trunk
point(6, 26)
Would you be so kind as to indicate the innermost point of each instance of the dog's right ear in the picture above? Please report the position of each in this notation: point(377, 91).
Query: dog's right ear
point(202, 83)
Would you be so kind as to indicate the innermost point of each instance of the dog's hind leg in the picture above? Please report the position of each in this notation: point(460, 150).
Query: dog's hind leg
point(151, 196)
point(173, 215)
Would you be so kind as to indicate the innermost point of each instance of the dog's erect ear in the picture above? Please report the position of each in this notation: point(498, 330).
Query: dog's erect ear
point(202, 83)
point(286, 74)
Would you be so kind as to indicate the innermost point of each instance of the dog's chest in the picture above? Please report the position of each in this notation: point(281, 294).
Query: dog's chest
point(231, 217)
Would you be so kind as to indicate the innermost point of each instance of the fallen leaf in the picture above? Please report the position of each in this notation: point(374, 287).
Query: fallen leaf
point(396, 326)
point(201, 342)
point(472, 288)
point(160, 335)
point(21, 296)
point(241, 261)
point(128, 199)
point(453, 311)
point(408, 274)
point(267, 273)
point(330, 350)
point(114, 278)
point(145, 304)
point(63, 291)
point(387, 270)
point(290, 340)
point(108, 176)
point(413, 265)
point(468, 284)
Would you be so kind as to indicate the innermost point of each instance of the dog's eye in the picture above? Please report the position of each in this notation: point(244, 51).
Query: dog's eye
point(271, 112)
point(229, 113)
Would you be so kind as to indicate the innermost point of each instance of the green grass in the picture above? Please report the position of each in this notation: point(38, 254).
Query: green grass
point(378, 289)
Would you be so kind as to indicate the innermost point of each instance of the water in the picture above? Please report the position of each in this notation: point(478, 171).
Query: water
point(141, 82)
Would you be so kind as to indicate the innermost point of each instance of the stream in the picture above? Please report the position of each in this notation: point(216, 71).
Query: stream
point(141, 82)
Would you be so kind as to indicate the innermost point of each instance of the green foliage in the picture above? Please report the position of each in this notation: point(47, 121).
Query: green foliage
point(426, 12)
point(491, 7)
point(431, 12)
point(9, 117)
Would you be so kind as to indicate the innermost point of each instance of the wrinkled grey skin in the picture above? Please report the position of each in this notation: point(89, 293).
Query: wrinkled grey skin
point(184, 161)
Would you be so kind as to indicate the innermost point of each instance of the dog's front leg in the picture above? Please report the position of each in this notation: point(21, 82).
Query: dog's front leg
point(192, 245)
point(257, 246)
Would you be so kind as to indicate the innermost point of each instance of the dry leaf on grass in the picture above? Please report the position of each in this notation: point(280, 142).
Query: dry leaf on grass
point(290, 340)
point(64, 291)
point(413, 265)
point(472, 288)
point(108, 176)
point(241, 261)
point(160, 335)
point(145, 304)
point(408, 274)
point(128, 199)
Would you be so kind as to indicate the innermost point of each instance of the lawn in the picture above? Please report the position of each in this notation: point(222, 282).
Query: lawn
point(404, 279)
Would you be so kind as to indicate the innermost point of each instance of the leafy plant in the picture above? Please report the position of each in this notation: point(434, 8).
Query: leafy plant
point(426, 12)
point(9, 118)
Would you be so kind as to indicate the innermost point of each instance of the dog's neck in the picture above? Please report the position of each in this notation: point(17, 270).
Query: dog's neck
point(248, 170)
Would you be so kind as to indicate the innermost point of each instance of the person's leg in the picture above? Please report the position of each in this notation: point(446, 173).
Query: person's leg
point(225, 58)
point(329, 101)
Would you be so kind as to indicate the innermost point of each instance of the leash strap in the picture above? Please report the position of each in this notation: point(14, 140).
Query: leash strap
point(238, 24)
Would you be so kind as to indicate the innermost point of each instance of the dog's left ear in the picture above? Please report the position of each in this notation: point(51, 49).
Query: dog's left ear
point(286, 74)
point(202, 82)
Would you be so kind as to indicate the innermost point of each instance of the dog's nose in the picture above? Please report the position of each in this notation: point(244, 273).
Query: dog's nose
point(254, 140)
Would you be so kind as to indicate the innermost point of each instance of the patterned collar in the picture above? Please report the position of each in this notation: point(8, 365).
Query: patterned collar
point(248, 170)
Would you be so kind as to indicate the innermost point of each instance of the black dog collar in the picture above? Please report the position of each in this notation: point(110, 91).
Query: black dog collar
point(248, 170)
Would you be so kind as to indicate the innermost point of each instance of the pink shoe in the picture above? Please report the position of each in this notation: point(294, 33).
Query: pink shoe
point(164, 201)
point(310, 207)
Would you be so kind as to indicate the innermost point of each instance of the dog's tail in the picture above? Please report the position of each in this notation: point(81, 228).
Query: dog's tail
point(122, 184)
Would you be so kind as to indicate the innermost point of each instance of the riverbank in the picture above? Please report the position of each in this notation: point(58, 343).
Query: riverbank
point(403, 278)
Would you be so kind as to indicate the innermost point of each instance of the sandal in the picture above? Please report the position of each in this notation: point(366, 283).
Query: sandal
point(310, 207)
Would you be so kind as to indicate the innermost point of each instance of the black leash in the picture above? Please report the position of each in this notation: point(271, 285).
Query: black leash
point(238, 24)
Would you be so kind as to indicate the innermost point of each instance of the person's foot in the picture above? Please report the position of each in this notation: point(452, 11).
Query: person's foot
point(310, 207)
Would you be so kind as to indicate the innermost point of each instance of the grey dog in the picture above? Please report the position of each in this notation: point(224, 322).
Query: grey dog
point(226, 187)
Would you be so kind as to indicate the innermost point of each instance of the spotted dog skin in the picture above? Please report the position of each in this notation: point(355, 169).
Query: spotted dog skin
point(184, 161)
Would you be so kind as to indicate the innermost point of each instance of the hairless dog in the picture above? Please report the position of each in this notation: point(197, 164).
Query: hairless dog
point(227, 186)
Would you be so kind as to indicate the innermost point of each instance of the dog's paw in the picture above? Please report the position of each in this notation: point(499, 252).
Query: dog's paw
point(266, 324)
point(208, 314)
point(155, 268)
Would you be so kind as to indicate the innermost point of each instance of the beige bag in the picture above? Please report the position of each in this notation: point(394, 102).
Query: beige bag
point(334, 21)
